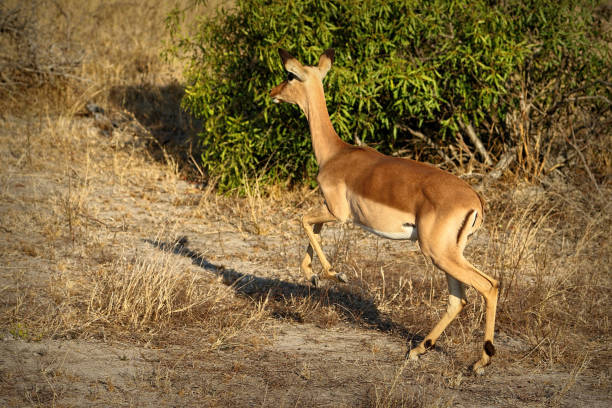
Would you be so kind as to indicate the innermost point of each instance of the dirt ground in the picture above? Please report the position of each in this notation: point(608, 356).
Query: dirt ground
point(302, 365)
point(340, 345)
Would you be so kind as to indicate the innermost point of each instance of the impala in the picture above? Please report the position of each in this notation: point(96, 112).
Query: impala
point(392, 197)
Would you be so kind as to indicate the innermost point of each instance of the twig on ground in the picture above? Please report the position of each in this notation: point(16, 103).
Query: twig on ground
point(476, 141)
point(502, 164)
point(574, 144)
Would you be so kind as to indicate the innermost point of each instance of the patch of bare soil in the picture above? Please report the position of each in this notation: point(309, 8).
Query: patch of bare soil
point(124, 285)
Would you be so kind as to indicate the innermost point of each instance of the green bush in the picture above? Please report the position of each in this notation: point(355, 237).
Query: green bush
point(400, 65)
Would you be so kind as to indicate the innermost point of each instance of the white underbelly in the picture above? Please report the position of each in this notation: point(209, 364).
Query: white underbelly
point(409, 232)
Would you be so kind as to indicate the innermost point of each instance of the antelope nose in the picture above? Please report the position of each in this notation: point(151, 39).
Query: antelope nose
point(274, 93)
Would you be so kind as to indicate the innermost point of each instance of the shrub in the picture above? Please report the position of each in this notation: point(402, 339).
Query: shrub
point(439, 66)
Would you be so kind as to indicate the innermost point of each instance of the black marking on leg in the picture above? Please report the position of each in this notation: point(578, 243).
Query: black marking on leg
point(488, 348)
point(428, 345)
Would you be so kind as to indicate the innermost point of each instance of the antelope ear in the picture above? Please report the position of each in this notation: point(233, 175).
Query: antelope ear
point(325, 61)
point(292, 65)
point(285, 56)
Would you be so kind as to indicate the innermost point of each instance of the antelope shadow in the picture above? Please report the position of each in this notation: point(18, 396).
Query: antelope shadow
point(355, 308)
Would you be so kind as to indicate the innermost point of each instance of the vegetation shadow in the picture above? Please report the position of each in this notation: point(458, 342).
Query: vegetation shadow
point(158, 110)
point(355, 308)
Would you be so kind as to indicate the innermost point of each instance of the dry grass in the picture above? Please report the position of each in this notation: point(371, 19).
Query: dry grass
point(99, 283)
point(91, 208)
point(144, 291)
point(37, 49)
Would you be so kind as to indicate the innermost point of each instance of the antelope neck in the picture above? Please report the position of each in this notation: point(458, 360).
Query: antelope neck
point(325, 141)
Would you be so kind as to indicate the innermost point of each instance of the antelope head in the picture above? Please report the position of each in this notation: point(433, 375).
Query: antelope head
point(302, 81)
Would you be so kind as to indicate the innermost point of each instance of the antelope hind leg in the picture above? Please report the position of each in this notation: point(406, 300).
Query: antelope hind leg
point(456, 302)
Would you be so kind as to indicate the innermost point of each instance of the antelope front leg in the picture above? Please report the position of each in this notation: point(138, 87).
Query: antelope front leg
point(317, 218)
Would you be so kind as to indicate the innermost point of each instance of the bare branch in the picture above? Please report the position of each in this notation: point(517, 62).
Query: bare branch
point(574, 144)
point(429, 143)
point(504, 162)
point(476, 141)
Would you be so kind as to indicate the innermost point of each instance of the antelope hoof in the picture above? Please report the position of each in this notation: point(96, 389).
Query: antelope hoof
point(420, 349)
point(478, 367)
point(315, 281)
point(414, 354)
point(485, 360)
point(342, 277)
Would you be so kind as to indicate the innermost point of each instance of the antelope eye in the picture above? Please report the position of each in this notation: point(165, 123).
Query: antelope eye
point(290, 76)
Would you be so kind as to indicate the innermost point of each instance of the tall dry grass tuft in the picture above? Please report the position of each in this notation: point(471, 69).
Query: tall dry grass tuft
point(155, 293)
point(147, 290)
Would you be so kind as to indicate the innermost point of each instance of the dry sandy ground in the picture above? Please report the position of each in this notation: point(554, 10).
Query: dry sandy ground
point(302, 366)
point(123, 203)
